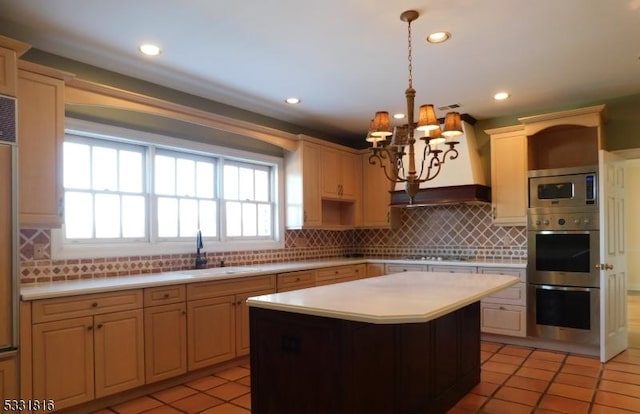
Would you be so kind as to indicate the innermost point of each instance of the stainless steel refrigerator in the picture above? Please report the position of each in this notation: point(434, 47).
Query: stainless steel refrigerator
point(8, 229)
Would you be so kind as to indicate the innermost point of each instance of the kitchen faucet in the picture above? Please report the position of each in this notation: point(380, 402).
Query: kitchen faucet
point(201, 258)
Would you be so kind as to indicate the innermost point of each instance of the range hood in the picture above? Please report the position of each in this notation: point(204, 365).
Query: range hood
point(461, 180)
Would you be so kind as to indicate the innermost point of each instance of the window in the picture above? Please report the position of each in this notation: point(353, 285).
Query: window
point(145, 193)
point(104, 186)
point(185, 195)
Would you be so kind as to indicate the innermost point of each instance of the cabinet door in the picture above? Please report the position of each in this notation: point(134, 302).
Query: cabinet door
point(350, 176)
point(375, 269)
point(509, 178)
point(8, 71)
point(6, 249)
point(165, 341)
point(210, 331)
point(119, 351)
point(41, 126)
point(375, 195)
point(63, 361)
point(8, 379)
point(330, 179)
point(312, 210)
point(242, 321)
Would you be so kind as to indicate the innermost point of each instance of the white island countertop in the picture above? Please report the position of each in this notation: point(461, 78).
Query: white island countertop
point(408, 297)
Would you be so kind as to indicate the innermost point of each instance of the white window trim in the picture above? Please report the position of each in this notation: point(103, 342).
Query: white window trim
point(62, 251)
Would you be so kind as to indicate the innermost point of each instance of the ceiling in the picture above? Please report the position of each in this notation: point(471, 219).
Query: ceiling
point(347, 59)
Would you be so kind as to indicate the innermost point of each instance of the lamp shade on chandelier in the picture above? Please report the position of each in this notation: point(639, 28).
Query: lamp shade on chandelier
point(390, 145)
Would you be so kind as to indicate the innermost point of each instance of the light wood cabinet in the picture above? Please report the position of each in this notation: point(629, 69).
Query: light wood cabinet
point(296, 280)
point(41, 135)
point(375, 269)
point(330, 275)
point(217, 318)
point(303, 182)
point(398, 268)
point(340, 174)
point(509, 175)
point(67, 378)
point(165, 332)
point(8, 378)
point(8, 71)
point(505, 312)
point(210, 331)
point(6, 248)
point(376, 197)
point(96, 351)
point(119, 351)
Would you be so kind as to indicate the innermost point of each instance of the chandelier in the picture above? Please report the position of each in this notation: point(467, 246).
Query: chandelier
point(392, 150)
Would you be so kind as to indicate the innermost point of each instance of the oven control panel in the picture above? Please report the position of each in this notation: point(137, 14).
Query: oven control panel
point(564, 221)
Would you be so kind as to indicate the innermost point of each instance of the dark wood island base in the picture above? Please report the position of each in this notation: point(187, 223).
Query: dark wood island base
point(302, 364)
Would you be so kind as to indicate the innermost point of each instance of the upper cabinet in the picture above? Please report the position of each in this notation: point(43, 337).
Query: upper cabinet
point(376, 196)
point(41, 134)
point(341, 176)
point(323, 186)
point(10, 51)
point(509, 175)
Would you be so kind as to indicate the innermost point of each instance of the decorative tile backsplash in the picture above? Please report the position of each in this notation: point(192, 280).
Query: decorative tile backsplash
point(459, 230)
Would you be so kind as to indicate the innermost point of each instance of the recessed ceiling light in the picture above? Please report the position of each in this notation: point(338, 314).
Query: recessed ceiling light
point(293, 101)
point(149, 49)
point(501, 96)
point(398, 116)
point(438, 37)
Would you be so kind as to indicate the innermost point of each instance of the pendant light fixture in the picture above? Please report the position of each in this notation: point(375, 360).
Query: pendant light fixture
point(391, 151)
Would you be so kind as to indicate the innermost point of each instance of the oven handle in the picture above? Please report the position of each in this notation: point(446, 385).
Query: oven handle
point(565, 288)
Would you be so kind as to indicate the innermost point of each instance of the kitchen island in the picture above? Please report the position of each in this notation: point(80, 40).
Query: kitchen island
point(401, 343)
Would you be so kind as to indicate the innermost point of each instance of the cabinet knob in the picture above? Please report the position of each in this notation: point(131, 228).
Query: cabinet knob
point(94, 305)
point(99, 326)
point(90, 328)
point(297, 279)
point(493, 213)
point(184, 313)
point(166, 296)
point(502, 308)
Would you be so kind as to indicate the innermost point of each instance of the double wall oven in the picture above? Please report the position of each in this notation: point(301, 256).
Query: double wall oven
point(563, 280)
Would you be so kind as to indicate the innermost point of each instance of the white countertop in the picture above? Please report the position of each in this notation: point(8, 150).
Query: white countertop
point(108, 284)
point(407, 297)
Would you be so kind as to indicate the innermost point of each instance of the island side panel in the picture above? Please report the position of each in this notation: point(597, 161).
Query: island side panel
point(311, 364)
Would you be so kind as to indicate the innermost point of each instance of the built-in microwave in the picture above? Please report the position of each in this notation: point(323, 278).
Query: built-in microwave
point(575, 187)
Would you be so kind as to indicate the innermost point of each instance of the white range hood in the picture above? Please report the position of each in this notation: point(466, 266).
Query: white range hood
point(461, 180)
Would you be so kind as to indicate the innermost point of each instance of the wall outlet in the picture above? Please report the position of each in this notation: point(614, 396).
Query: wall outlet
point(39, 251)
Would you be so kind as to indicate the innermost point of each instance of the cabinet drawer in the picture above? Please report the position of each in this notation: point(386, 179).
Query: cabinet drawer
point(398, 268)
point(164, 295)
point(296, 280)
point(521, 273)
point(375, 269)
point(85, 305)
point(513, 295)
point(333, 273)
point(224, 287)
point(452, 269)
point(503, 319)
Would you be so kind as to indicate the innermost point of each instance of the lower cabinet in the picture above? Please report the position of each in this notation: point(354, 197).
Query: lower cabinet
point(8, 378)
point(296, 280)
point(505, 312)
point(78, 359)
point(218, 318)
point(165, 345)
point(86, 347)
point(330, 275)
point(375, 269)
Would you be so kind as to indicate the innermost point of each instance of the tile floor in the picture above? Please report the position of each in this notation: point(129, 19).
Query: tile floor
point(514, 380)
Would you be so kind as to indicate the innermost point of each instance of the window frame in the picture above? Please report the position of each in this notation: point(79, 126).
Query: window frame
point(64, 250)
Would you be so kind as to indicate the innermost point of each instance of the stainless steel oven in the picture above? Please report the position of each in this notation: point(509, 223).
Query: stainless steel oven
point(564, 313)
point(563, 248)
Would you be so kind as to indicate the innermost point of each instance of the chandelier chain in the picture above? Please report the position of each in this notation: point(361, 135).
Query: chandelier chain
point(409, 58)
